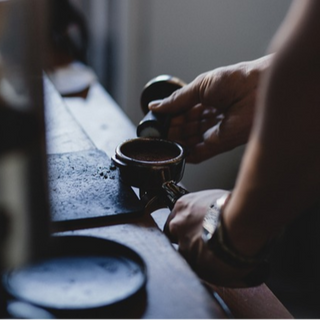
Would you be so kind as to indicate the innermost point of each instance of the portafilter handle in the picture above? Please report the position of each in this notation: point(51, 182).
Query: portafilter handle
point(173, 192)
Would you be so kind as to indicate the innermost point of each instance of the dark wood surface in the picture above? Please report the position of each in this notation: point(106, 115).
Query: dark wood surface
point(173, 289)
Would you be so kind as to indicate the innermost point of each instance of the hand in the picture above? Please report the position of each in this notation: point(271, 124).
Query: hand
point(184, 226)
point(214, 113)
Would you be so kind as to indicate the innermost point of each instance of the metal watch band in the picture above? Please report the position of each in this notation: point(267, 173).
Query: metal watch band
point(212, 217)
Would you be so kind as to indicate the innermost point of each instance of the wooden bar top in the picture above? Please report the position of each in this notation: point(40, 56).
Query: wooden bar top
point(173, 289)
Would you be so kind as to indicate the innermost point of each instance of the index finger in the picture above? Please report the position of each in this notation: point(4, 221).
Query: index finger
point(180, 100)
point(166, 229)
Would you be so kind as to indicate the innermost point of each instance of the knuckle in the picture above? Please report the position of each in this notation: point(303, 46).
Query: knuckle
point(174, 227)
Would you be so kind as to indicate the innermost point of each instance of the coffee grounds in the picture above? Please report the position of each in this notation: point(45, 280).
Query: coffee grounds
point(152, 153)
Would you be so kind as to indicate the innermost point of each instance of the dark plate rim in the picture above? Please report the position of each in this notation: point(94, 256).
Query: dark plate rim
point(61, 246)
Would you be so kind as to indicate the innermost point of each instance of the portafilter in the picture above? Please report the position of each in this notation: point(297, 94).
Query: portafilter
point(151, 162)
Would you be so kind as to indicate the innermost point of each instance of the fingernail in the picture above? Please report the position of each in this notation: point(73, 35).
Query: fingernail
point(154, 104)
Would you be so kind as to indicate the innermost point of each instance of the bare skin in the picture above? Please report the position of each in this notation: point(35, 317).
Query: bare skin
point(280, 173)
point(214, 113)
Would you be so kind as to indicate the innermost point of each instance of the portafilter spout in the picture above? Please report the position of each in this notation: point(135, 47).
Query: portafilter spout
point(173, 192)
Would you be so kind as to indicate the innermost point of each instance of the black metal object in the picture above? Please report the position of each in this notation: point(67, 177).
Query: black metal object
point(173, 192)
point(155, 125)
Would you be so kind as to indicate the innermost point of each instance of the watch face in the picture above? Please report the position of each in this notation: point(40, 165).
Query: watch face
point(212, 217)
point(210, 221)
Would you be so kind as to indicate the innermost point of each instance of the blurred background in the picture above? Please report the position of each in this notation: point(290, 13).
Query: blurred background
point(132, 41)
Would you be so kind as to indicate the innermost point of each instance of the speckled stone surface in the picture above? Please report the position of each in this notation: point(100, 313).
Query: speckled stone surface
point(85, 185)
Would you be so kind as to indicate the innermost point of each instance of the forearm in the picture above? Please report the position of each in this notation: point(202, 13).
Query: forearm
point(280, 173)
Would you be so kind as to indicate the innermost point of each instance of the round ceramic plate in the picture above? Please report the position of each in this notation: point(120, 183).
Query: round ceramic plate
point(82, 273)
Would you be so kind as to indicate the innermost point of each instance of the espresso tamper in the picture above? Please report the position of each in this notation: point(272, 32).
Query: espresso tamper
point(155, 125)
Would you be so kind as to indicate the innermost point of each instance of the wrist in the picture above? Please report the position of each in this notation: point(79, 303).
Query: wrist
point(218, 241)
point(221, 245)
point(247, 232)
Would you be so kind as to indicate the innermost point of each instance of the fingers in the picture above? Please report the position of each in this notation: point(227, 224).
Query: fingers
point(222, 134)
point(182, 99)
point(222, 137)
point(192, 123)
point(197, 112)
point(166, 229)
point(190, 130)
point(196, 92)
point(212, 114)
point(188, 213)
point(185, 220)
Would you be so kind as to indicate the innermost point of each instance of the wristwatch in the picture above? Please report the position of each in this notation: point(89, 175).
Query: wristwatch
point(216, 239)
point(212, 217)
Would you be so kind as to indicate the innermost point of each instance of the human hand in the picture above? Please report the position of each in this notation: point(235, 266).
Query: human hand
point(214, 113)
point(185, 227)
